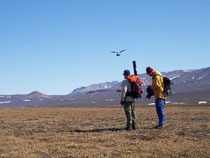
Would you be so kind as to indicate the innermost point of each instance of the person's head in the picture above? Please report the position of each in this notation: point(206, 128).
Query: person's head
point(149, 71)
point(126, 73)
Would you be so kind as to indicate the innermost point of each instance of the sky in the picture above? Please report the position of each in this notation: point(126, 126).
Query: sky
point(55, 46)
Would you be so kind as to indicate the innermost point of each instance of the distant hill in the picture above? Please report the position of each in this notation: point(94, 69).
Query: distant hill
point(190, 87)
point(36, 95)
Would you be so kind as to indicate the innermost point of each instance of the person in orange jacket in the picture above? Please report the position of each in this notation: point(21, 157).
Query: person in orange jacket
point(158, 89)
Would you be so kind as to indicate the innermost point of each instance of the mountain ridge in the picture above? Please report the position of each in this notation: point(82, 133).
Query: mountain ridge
point(190, 87)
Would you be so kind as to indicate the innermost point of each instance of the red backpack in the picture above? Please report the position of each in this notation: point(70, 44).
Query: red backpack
point(136, 90)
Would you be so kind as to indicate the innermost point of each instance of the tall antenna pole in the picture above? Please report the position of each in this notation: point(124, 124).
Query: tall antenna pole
point(134, 68)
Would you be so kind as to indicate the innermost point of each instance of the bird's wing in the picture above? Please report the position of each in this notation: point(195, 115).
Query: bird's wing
point(122, 50)
point(113, 52)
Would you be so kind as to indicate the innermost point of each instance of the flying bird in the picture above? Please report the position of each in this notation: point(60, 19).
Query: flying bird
point(118, 53)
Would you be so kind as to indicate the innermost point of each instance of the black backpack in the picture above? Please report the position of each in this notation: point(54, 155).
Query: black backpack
point(167, 85)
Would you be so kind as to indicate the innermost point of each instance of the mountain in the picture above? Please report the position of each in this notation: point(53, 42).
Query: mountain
point(184, 81)
point(190, 87)
point(192, 80)
point(95, 87)
point(32, 99)
point(36, 95)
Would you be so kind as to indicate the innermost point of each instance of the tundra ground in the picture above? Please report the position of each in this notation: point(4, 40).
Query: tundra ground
point(99, 132)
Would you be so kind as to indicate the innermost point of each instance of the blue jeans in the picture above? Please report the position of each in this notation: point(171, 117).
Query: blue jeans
point(159, 103)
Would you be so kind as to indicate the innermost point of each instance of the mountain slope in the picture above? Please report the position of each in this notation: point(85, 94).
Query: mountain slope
point(190, 87)
point(184, 80)
point(95, 87)
point(36, 95)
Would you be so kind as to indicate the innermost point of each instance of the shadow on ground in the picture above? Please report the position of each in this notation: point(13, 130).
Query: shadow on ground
point(98, 130)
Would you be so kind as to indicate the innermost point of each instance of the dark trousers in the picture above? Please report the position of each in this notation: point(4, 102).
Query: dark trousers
point(130, 113)
point(159, 103)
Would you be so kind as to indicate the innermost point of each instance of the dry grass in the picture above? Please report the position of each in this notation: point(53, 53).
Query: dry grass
point(99, 132)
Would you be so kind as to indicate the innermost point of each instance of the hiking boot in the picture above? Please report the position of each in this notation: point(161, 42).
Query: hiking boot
point(159, 126)
point(128, 128)
point(133, 126)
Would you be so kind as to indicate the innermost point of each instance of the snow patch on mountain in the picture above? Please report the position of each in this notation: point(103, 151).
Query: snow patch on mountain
point(174, 77)
point(5, 102)
point(190, 70)
point(202, 102)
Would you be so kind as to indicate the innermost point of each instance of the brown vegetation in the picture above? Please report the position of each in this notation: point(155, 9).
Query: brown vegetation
point(99, 132)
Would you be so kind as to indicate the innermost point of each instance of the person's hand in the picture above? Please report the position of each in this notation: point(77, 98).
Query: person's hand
point(149, 87)
point(148, 96)
point(150, 92)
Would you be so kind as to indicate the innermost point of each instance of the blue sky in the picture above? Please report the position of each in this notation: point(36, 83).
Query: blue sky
point(55, 46)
